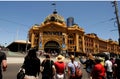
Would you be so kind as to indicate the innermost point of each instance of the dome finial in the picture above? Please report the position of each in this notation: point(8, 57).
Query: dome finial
point(54, 4)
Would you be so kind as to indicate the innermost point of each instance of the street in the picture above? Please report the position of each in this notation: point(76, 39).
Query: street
point(13, 68)
point(11, 71)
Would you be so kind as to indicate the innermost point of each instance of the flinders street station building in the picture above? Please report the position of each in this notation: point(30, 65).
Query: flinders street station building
point(57, 35)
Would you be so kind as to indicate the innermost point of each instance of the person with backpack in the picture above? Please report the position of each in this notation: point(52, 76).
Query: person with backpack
point(48, 68)
point(72, 68)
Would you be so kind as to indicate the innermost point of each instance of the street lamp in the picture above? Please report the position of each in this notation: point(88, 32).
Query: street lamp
point(74, 50)
point(63, 43)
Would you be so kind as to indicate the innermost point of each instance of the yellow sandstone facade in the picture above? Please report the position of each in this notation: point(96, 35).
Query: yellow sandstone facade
point(55, 35)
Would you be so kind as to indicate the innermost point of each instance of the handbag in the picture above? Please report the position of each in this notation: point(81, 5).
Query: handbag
point(21, 74)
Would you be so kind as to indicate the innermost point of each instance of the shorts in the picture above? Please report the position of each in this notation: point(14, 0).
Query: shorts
point(30, 77)
point(59, 76)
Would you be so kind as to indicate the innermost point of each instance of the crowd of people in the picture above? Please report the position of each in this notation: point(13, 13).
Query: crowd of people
point(102, 67)
point(49, 69)
point(96, 67)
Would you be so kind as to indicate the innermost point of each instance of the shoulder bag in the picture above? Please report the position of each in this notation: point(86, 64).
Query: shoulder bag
point(21, 74)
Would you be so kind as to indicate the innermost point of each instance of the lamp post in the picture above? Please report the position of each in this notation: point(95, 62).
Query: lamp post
point(27, 43)
point(74, 50)
point(63, 43)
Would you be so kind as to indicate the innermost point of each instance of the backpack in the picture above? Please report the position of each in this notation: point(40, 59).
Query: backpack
point(78, 71)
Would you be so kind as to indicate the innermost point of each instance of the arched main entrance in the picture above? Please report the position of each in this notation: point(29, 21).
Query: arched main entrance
point(52, 47)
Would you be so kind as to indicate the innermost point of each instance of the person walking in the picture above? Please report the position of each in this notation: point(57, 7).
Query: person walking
point(48, 68)
point(60, 67)
point(3, 63)
point(72, 68)
point(31, 65)
point(109, 68)
point(98, 71)
point(117, 68)
point(89, 63)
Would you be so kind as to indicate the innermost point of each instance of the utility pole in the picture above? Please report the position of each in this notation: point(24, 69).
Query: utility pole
point(117, 17)
point(27, 43)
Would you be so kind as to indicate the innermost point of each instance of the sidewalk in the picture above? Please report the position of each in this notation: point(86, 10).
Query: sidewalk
point(13, 60)
point(14, 57)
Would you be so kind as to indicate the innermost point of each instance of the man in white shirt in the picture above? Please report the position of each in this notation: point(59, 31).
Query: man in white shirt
point(109, 70)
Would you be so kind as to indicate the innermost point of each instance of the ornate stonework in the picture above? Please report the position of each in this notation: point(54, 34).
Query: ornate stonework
point(54, 35)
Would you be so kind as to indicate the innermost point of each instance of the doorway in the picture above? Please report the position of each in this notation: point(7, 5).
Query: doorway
point(52, 47)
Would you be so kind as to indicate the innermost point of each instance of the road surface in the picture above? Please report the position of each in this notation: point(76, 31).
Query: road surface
point(14, 63)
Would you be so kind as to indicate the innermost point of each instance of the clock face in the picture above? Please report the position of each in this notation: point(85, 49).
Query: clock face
point(52, 18)
point(63, 45)
point(40, 44)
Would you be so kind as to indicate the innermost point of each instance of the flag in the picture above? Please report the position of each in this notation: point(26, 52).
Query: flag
point(53, 4)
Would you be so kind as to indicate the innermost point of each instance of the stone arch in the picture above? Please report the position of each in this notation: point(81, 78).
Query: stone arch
point(52, 47)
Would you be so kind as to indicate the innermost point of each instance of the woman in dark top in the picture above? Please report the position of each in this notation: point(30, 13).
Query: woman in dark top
point(31, 64)
point(48, 68)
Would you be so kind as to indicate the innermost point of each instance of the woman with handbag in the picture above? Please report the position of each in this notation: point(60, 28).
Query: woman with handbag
point(31, 65)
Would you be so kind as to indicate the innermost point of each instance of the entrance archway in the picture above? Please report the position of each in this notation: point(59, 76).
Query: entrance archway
point(52, 47)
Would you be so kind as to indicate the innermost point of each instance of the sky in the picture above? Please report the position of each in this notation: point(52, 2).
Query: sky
point(17, 17)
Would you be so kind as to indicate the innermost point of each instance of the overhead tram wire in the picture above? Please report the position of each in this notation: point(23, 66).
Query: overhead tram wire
point(101, 22)
point(11, 32)
point(114, 26)
point(114, 30)
point(105, 21)
point(13, 22)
